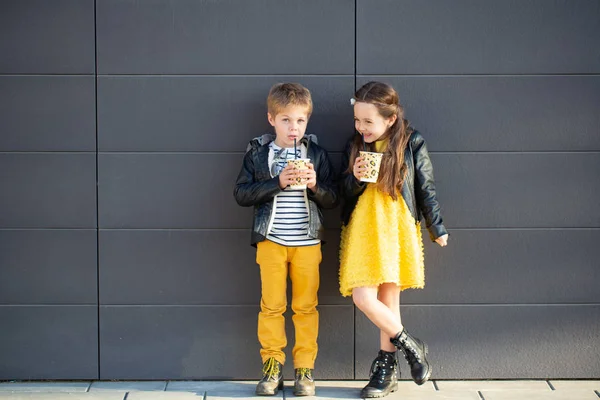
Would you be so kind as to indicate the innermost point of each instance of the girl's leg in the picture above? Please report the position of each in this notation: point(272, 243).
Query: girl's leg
point(383, 310)
point(415, 350)
point(365, 298)
point(389, 294)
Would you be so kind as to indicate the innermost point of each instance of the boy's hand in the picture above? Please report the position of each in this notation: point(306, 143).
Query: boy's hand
point(359, 167)
point(287, 176)
point(309, 176)
point(442, 240)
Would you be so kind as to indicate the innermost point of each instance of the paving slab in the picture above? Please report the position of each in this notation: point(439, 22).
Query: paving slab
point(452, 395)
point(540, 395)
point(338, 390)
point(165, 396)
point(329, 389)
point(575, 385)
point(411, 387)
point(62, 396)
point(351, 389)
point(44, 387)
point(492, 385)
point(217, 389)
point(128, 386)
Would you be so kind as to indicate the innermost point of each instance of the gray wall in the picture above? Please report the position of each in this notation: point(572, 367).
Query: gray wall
point(122, 127)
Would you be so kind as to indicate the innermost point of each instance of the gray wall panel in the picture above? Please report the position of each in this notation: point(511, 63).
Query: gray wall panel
point(170, 191)
point(500, 113)
point(178, 267)
point(332, 217)
point(38, 36)
point(192, 267)
point(173, 191)
point(48, 267)
point(48, 190)
point(536, 190)
point(511, 266)
point(329, 292)
point(49, 342)
point(225, 37)
point(499, 342)
point(505, 92)
point(45, 113)
point(475, 190)
point(183, 343)
point(209, 113)
point(474, 37)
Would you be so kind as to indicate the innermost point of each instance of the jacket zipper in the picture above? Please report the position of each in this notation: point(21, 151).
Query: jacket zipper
point(272, 217)
point(306, 193)
point(306, 202)
point(412, 188)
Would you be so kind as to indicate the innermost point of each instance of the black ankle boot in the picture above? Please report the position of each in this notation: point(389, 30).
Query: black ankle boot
point(272, 380)
point(383, 376)
point(415, 352)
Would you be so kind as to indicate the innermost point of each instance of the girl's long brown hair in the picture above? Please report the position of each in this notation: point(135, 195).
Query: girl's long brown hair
point(393, 170)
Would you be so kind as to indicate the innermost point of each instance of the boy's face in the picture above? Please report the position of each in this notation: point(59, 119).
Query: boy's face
point(289, 123)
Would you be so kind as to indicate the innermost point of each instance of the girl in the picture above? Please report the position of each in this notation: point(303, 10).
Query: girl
point(381, 247)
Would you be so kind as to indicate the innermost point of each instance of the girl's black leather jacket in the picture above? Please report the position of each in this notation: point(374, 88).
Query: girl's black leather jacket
point(255, 187)
point(418, 189)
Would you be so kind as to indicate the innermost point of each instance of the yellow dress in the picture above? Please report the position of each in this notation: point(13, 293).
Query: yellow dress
point(382, 243)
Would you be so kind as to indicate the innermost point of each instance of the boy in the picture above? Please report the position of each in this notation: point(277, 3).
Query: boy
point(287, 230)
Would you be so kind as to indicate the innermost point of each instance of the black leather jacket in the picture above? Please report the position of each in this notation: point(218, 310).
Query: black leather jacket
point(255, 187)
point(418, 189)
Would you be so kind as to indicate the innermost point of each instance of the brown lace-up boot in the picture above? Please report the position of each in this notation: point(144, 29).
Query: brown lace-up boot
point(272, 380)
point(304, 383)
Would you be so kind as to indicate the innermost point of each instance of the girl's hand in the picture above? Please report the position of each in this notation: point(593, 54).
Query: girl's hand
point(309, 176)
point(287, 176)
point(442, 240)
point(359, 167)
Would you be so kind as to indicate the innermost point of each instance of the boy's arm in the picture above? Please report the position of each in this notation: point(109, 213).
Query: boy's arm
point(247, 192)
point(349, 185)
point(326, 195)
point(425, 189)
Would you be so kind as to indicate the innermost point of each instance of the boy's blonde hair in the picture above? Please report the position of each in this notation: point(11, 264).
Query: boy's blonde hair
point(283, 95)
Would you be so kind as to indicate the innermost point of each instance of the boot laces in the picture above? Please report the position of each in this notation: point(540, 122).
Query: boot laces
point(271, 368)
point(411, 354)
point(304, 373)
point(379, 370)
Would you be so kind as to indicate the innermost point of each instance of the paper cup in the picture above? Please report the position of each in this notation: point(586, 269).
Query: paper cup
point(372, 168)
point(299, 163)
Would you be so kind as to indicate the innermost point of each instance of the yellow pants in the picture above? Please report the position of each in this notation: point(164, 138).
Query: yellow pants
point(304, 273)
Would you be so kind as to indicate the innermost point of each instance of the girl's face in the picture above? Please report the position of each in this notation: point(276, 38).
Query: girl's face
point(369, 123)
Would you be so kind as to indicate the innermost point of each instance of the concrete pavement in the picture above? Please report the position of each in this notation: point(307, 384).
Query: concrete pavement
point(339, 390)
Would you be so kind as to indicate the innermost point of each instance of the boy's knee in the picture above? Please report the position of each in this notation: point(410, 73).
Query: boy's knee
point(273, 307)
point(304, 306)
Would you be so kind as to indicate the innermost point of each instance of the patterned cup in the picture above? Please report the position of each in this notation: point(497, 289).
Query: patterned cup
point(372, 168)
point(300, 164)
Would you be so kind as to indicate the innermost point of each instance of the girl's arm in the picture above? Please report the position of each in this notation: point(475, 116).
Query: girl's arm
point(425, 188)
point(326, 195)
point(349, 186)
point(247, 192)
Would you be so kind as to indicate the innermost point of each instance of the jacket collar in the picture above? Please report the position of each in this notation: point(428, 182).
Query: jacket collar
point(267, 138)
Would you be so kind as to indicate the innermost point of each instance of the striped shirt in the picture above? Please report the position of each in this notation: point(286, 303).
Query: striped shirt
point(289, 220)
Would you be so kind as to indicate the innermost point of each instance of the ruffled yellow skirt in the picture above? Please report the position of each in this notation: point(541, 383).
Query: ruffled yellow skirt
point(381, 244)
